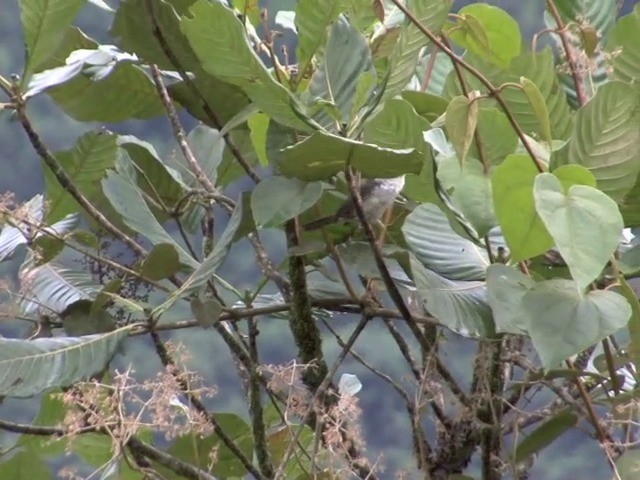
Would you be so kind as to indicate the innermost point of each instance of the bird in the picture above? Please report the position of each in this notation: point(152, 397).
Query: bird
point(378, 195)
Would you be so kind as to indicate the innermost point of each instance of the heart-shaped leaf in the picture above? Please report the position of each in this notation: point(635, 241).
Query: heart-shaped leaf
point(585, 224)
point(562, 321)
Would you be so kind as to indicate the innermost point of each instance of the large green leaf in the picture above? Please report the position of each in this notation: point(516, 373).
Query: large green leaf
point(461, 306)
point(585, 224)
point(33, 366)
point(322, 155)
point(277, 199)
point(628, 465)
point(54, 288)
point(562, 321)
point(469, 188)
point(606, 139)
point(128, 200)
point(159, 181)
point(622, 43)
point(312, 21)
point(398, 126)
point(434, 243)
point(506, 287)
point(44, 23)
point(219, 40)
point(126, 92)
point(404, 59)
point(346, 58)
point(132, 26)
point(489, 32)
point(521, 225)
point(26, 463)
point(85, 165)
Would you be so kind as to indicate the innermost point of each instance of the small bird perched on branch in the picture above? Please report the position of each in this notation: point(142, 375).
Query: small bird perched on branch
point(377, 195)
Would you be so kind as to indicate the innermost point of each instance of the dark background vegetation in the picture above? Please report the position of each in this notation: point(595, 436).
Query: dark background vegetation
point(21, 173)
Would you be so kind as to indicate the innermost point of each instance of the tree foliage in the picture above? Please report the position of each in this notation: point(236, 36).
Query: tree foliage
point(515, 231)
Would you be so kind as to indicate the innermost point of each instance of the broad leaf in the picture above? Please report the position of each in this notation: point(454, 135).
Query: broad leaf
point(606, 139)
point(462, 306)
point(312, 21)
point(346, 59)
point(489, 32)
point(34, 366)
point(128, 201)
point(219, 40)
point(546, 434)
point(563, 322)
point(404, 59)
point(513, 199)
point(277, 199)
point(506, 287)
point(44, 23)
point(625, 57)
point(304, 161)
point(162, 262)
point(469, 188)
point(80, 318)
point(52, 288)
point(434, 243)
point(585, 224)
point(85, 165)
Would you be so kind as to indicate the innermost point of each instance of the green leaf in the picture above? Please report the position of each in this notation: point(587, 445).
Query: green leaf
point(461, 306)
point(159, 181)
point(277, 199)
point(80, 319)
point(397, 126)
point(606, 139)
point(506, 287)
point(469, 188)
point(219, 40)
point(128, 200)
point(625, 57)
point(85, 165)
point(585, 224)
point(488, 32)
point(425, 104)
point(162, 262)
point(496, 135)
point(312, 21)
point(345, 60)
point(404, 59)
point(546, 434)
point(24, 465)
point(539, 106)
point(33, 366)
point(522, 227)
point(207, 313)
point(44, 23)
point(303, 161)
point(570, 175)
point(126, 92)
point(196, 450)
point(628, 465)
point(434, 243)
point(54, 287)
point(132, 26)
point(634, 322)
point(563, 322)
point(461, 120)
point(259, 125)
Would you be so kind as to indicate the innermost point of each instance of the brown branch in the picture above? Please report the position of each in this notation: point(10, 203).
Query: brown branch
point(569, 53)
